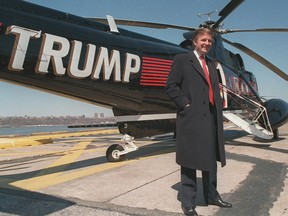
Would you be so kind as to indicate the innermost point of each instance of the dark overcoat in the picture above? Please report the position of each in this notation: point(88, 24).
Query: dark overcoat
point(187, 84)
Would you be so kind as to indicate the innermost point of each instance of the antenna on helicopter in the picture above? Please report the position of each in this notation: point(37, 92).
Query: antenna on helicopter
point(207, 14)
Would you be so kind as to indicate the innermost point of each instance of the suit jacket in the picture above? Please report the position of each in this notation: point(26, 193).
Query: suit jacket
point(186, 83)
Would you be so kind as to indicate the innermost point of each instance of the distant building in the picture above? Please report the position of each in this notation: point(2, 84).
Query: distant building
point(96, 115)
point(102, 115)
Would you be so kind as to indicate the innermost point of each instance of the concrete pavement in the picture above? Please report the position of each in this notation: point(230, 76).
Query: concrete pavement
point(71, 176)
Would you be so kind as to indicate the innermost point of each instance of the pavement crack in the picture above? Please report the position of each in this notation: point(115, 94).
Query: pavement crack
point(143, 185)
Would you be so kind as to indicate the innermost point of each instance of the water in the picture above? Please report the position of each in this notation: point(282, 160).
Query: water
point(27, 130)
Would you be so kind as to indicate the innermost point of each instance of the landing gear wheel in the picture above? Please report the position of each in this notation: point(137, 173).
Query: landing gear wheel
point(112, 153)
point(276, 134)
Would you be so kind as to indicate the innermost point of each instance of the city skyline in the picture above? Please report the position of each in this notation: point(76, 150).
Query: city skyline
point(96, 115)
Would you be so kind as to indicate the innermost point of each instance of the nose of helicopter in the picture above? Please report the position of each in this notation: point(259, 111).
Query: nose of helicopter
point(277, 110)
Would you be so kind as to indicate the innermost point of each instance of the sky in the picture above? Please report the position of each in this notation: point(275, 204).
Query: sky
point(252, 14)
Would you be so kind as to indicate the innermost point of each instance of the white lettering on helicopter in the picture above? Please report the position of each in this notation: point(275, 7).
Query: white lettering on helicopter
point(20, 46)
point(54, 48)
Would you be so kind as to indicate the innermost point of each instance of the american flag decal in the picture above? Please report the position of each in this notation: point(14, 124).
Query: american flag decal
point(154, 71)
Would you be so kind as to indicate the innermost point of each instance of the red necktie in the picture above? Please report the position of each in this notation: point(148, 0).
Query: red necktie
point(204, 66)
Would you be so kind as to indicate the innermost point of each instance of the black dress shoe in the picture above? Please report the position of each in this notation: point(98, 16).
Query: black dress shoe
point(220, 203)
point(190, 211)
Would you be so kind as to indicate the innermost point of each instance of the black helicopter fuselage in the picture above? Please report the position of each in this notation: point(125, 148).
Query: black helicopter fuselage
point(78, 58)
point(72, 56)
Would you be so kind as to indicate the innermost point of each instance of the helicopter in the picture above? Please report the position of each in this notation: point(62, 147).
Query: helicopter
point(89, 60)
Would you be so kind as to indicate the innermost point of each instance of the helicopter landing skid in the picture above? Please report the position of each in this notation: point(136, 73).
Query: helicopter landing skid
point(117, 152)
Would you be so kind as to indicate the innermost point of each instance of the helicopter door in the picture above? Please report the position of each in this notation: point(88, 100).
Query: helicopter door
point(222, 84)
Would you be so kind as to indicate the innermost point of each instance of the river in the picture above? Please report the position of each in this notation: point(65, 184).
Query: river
point(27, 130)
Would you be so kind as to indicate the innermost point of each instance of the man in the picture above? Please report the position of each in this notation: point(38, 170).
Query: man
point(199, 126)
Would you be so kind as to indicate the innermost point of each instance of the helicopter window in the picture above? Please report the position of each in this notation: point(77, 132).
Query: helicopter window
point(187, 44)
point(219, 76)
point(240, 61)
point(253, 79)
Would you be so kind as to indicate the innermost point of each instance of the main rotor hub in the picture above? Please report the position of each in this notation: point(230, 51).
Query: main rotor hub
point(207, 24)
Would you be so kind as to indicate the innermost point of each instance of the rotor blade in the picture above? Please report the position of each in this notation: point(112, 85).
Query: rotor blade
point(143, 24)
point(258, 58)
point(255, 30)
point(231, 6)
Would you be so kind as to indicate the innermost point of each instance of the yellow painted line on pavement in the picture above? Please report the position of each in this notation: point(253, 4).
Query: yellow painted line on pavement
point(41, 182)
point(54, 170)
point(46, 152)
point(54, 175)
point(65, 161)
point(71, 155)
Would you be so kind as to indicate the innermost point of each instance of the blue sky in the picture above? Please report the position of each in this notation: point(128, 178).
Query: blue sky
point(252, 14)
